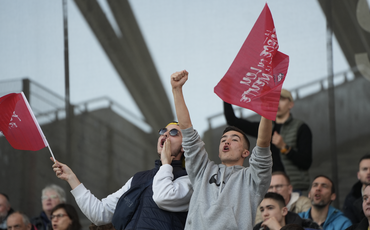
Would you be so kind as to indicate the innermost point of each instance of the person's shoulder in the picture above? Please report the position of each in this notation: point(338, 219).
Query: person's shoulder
point(303, 199)
point(338, 217)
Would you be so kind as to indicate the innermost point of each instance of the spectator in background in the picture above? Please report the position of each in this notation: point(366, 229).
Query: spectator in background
point(365, 222)
point(291, 143)
point(19, 221)
point(5, 210)
point(276, 215)
point(322, 193)
point(64, 216)
point(51, 196)
point(352, 207)
point(280, 183)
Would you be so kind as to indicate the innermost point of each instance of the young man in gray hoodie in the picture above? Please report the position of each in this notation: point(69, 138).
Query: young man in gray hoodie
point(226, 196)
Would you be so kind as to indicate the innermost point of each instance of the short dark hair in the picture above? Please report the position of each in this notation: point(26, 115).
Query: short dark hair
point(277, 197)
point(332, 183)
point(365, 157)
point(72, 214)
point(282, 174)
point(233, 128)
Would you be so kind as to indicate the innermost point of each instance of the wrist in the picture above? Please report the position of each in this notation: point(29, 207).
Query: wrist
point(285, 149)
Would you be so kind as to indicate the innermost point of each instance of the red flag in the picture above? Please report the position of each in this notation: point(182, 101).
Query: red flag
point(255, 78)
point(18, 123)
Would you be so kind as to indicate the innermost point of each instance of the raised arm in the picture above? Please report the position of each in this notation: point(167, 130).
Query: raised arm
point(63, 172)
point(264, 133)
point(178, 79)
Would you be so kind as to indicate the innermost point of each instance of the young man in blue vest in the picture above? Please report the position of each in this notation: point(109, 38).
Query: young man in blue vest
point(162, 205)
point(225, 195)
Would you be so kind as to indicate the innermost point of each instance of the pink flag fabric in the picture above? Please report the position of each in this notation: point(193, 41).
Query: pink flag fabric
point(18, 123)
point(255, 78)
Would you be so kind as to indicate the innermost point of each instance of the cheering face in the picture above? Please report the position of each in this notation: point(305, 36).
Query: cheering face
point(320, 193)
point(232, 149)
point(176, 141)
point(270, 208)
point(285, 105)
point(60, 220)
point(280, 185)
point(364, 172)
point(366, 202)
point(50, 199)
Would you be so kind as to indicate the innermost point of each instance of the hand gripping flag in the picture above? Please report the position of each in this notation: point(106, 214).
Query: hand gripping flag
point(18, 123)
point(255, 78)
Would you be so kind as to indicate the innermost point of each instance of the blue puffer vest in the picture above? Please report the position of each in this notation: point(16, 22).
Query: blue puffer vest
point(148, 215)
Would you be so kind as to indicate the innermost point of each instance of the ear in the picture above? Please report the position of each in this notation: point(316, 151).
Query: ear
point(29, 226)
point(245, 153)
point(291, 104)
point(182, 149)
point(284, 211)
point(358, 175)
point(290, 189)
point(333, 196)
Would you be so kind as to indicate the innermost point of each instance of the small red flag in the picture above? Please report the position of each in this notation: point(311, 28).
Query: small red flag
point(18, 123)
point(255, 78)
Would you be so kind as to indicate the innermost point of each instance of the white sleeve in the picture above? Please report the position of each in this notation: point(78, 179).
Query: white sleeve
point(173, 196)
point(99, 212)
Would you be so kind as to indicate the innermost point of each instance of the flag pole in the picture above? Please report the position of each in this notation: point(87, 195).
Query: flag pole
point(51, 152)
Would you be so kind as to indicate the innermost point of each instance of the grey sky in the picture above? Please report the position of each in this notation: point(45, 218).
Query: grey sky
point(202, 37)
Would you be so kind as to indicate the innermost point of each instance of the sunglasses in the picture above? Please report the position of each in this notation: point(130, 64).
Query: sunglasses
point(173, 132)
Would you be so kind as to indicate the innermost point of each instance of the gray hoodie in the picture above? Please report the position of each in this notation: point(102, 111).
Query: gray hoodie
point(224, 197)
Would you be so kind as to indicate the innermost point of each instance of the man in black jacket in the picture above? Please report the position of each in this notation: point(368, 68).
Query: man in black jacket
point(352, 207)
point(364, 223)
point(291, 143)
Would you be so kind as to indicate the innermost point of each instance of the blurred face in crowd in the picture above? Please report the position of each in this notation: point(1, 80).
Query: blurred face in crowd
point(4, 207)
point(285, 105)
point(270, 208)
point(321, 192)
point(176, 141)
point(279, 184)
point(60, 220)
point(366, 202)
point(15, 222)
point(364, 172)
point(50, 199)
point(233, 148)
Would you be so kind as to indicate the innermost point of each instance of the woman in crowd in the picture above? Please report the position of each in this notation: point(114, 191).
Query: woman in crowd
point(65, 217)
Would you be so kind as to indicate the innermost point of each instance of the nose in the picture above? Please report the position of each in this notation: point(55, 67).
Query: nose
point(265, 213)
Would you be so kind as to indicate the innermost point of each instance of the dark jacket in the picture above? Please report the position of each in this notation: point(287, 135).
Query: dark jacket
point(148, 215)
point(293, 218)
point(41, 222)
point(363, 225)
point(352, 207)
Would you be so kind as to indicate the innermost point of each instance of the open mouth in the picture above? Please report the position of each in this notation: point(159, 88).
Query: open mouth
point(162, 142)
point(226, 148)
